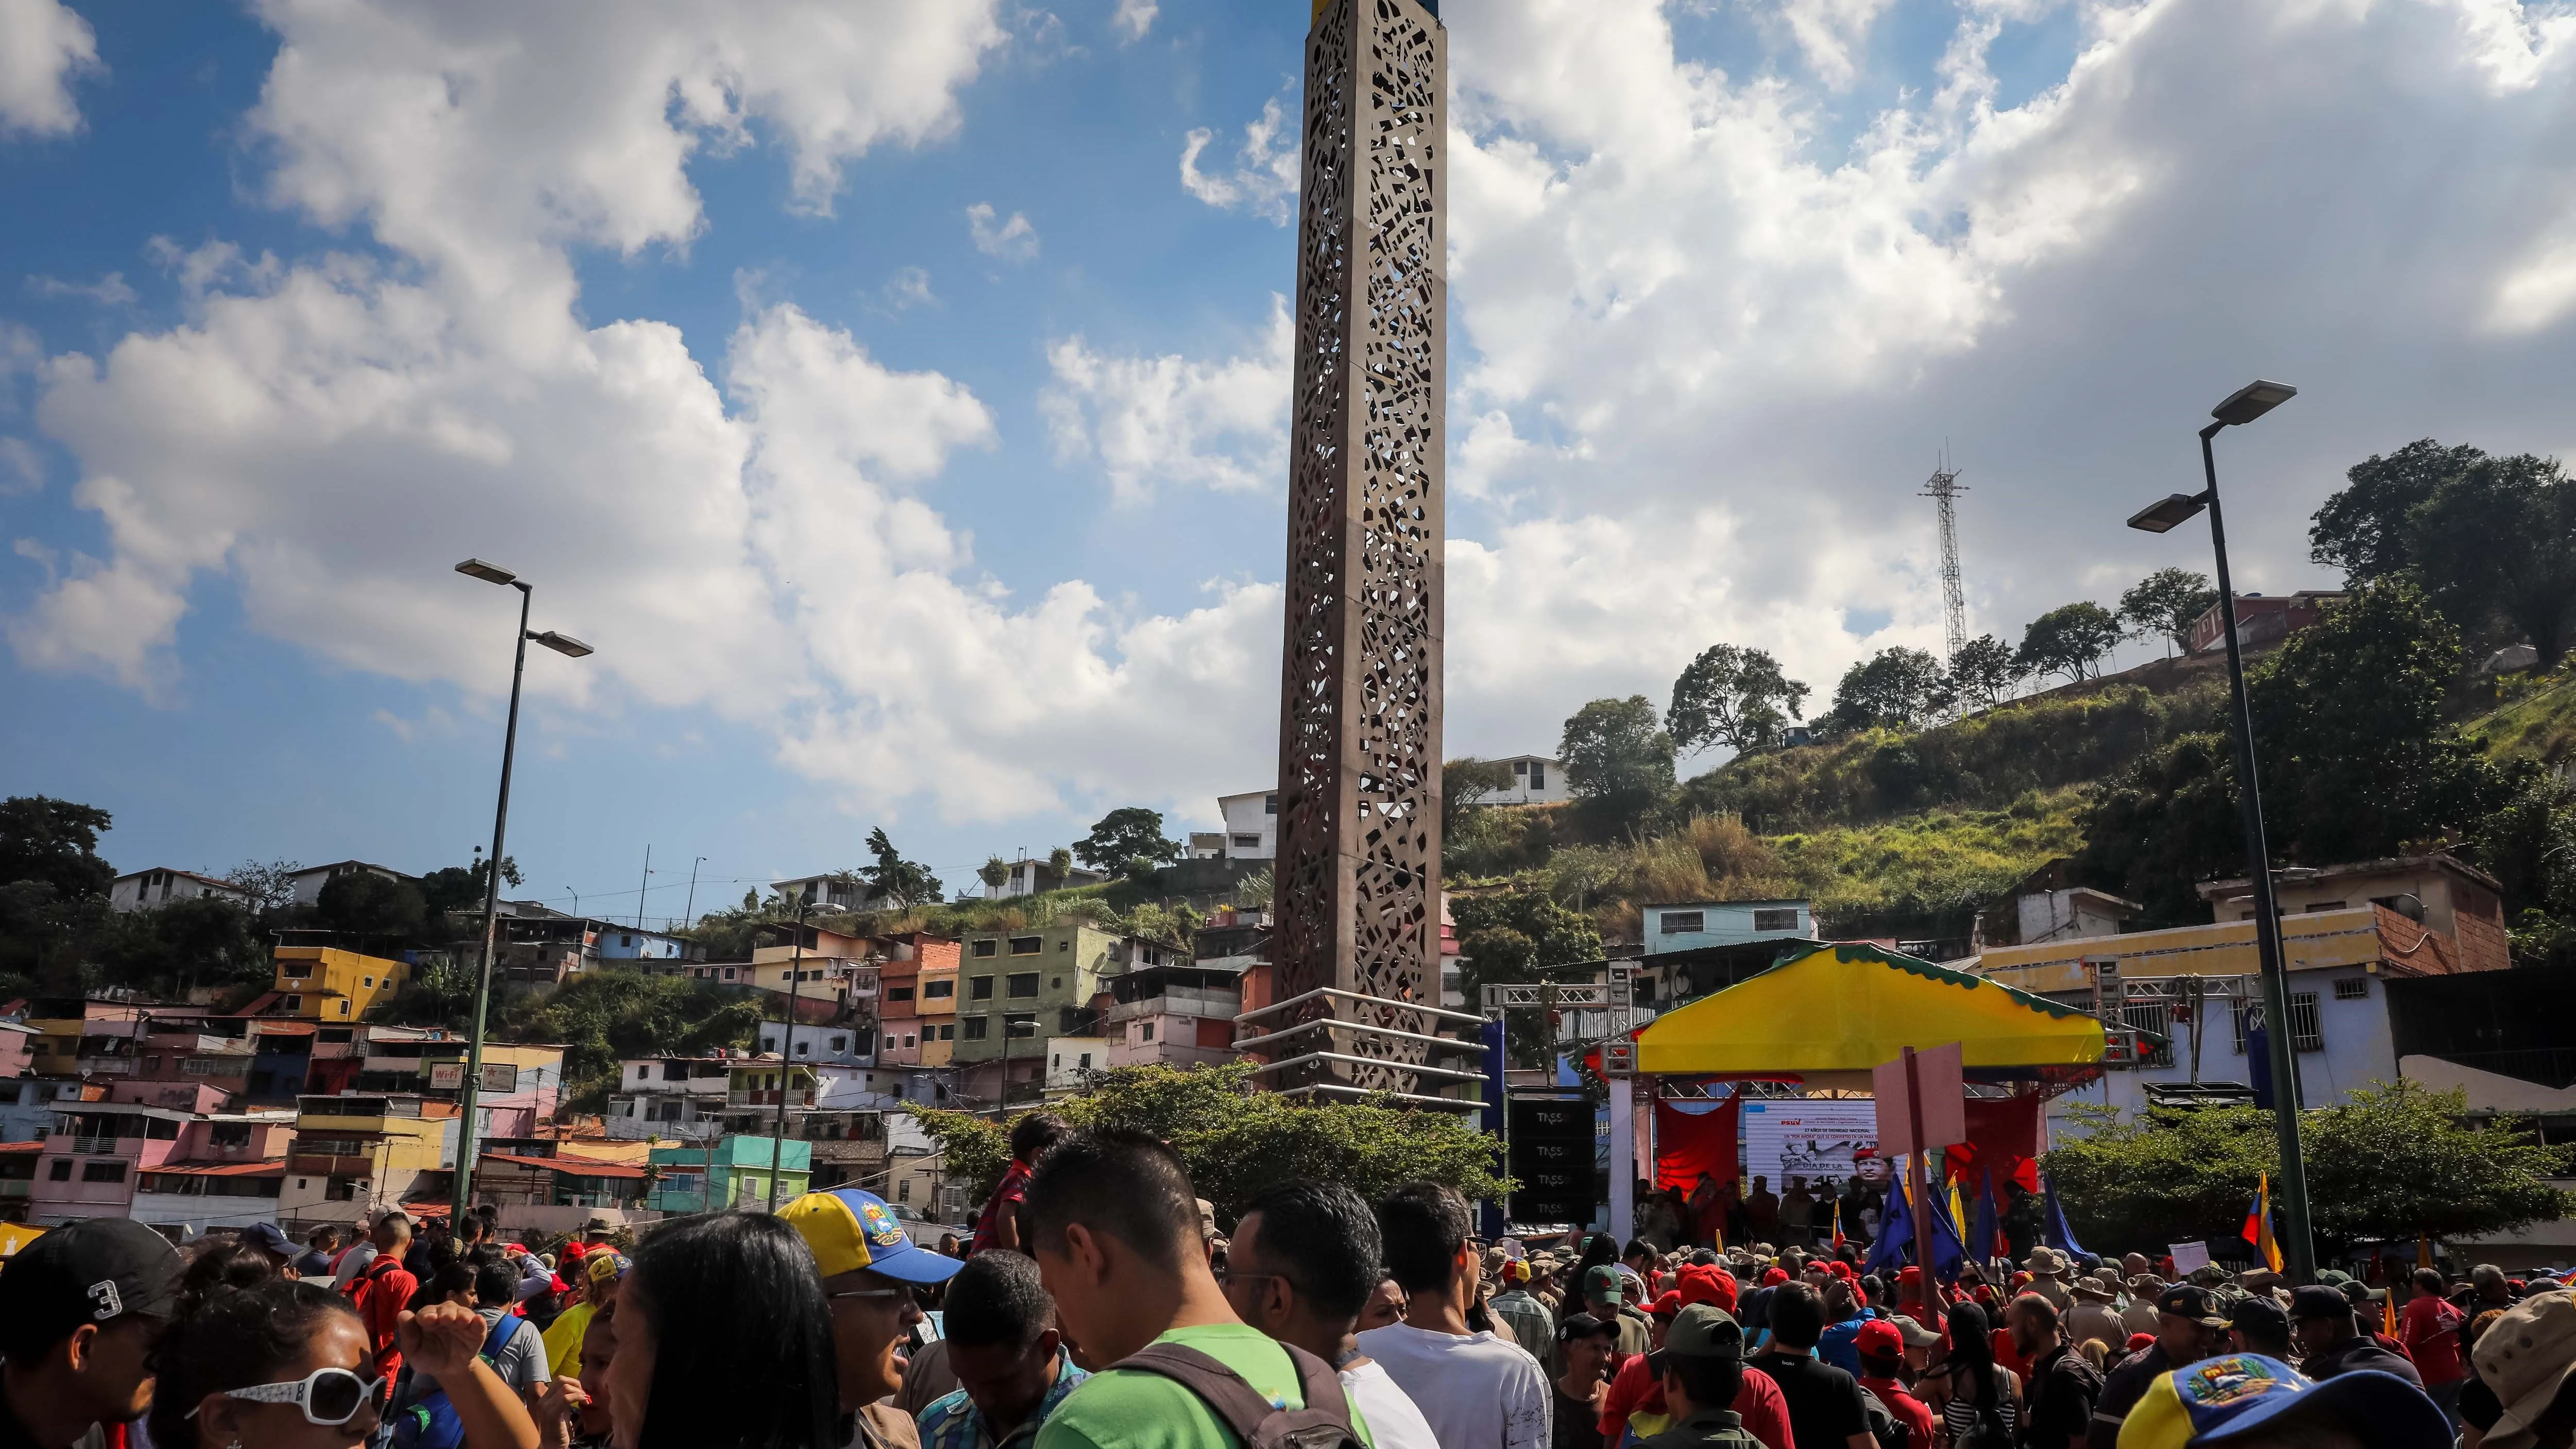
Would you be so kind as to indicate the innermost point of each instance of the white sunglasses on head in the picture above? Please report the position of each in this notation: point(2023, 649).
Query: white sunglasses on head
point(321, 1394)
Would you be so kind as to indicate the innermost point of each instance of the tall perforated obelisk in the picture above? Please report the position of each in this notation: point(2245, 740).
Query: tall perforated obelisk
point(1357, 881)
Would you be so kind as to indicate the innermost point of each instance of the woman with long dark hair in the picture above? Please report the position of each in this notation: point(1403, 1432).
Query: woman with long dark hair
point(284, 1365)
point(724, 1341)
point(1980, 1399)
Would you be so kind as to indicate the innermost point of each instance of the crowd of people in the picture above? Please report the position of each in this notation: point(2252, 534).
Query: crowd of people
point(1099, 1307)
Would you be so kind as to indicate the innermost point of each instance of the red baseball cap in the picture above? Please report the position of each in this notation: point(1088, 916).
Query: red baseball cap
point(2140, 1340)
point(1704, 1284)
point(1669, 1304)
point(1840, 1269)
point(1775, 1277)
point(1878, 1338)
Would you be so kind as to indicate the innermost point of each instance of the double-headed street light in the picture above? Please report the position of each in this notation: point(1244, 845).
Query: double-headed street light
point(462, 1199)
point(2291, 1183)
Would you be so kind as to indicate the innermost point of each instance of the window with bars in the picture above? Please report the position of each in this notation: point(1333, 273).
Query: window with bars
point(2354, 988)
point(2306, 1034)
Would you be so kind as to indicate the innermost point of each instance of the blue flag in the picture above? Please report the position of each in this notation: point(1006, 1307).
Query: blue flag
point(2057, 1233)
point(1988, 1220)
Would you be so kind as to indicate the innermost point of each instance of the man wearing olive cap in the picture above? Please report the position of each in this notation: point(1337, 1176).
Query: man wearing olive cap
point(1702, 1368)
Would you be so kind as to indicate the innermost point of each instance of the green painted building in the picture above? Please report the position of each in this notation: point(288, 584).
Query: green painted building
point(729, 1172)
point(1017, 988)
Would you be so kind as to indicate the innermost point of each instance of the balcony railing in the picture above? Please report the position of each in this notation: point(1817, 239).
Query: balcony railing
point(324, 1165)
point(94, 1146)
point(768, 1097)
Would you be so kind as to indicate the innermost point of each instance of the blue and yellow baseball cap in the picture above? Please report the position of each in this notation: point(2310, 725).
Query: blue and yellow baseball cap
point(848, 1230)
point(2219, 1401)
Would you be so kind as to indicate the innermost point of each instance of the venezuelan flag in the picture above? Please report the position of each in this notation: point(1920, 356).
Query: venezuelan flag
point(2258, 1225)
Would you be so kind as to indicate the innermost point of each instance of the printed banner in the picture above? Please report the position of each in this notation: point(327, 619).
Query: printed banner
point(1809, 1138)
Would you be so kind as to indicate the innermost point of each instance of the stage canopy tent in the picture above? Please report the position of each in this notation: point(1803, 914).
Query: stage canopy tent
point(1828, 1016)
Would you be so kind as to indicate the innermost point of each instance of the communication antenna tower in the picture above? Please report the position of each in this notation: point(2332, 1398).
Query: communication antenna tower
point(1944, 489)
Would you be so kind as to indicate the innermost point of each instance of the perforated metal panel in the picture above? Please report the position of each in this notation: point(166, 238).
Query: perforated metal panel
point(1357, 883)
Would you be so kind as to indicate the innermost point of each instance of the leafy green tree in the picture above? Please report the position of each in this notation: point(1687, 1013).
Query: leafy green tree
point(1464, 784)
point(1122, 837)
point(198, 941)
point(1734, 697)
point(55, 842)
point(894, 879)
point(1236, 1139)
point(271, 886)
point(364, 903)
point(1509, 937)
point(2357, 756)
point(1982, 674)
point(460, 887)
point(2070, 639)
point(993, 872)
point(2166, 603)
point(602, 1017)
point(1618, 760)
point(2499, 541)
point(2391, 1162)
point(1895, 689)
point(2357, 762)
point(2363, 530)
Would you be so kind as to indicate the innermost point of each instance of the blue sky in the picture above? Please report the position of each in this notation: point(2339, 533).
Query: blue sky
point(893, 392)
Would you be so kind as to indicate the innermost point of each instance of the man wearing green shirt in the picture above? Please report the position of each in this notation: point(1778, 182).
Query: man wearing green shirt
point(1114, 1226)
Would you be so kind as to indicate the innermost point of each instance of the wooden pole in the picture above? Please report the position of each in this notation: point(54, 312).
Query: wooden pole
point(1921, 1191)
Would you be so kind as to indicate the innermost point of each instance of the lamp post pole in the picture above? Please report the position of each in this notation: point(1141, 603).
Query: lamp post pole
point(462, 1199)
point(787, 1044)
point(2298, 1249)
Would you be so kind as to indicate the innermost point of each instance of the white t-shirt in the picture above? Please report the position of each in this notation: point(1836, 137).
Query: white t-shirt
point(1393, 1420)
point(1476, 1392)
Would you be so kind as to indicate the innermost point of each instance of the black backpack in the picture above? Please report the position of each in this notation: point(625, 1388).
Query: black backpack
point(1884, 1427)
point(1325, 1422)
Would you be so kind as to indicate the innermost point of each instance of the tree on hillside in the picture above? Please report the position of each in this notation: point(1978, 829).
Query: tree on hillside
point(2499, 541)
point(54, 842)
point(1734, 697)
point(1124, 837)
point(1464, 784)
point(1512, 936)
point(2363, 530)
point(894, 879)
point(603, 1017)
point(1618, 760)
point(993, 872)
point(2070, 639)
point(198, 941)
point(1982, 674)
point(460, 887)
point(1895, 689)
point(1236, 1139)
point(366, 904)
point(2166, 603)
point(271, 886)
point(2358, 760)
point(2391, 1163)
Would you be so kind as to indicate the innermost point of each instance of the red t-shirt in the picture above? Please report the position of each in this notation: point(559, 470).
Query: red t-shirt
point(2430, 1329)
point(1910, 1411)
point(1007, 1195)
point(1633, 1390)
point(2007, 1356)
point(380, 1295)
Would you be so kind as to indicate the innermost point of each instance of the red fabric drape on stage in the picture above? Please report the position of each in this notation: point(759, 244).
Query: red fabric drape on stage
point(1688, 1144)
point(2003, 1133)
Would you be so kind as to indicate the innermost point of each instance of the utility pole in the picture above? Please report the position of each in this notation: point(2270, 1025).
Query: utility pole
point(787, 1043)
point(689, 912)
point(643, 887)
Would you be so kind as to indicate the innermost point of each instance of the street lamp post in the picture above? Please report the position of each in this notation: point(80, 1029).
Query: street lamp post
point(787, 1043)
point(689, 912)
point(462, 1199)
point(2291, 1183)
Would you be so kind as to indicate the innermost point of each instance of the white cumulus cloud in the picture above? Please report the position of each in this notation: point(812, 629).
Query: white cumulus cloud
point(1263, 177)
point(1171, 419)
point(43, 44)
point(1014, 240)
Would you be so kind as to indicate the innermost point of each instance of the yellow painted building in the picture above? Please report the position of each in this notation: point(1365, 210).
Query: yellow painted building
point(937, 1009)
point(357, 1153)
point(325, 983)
point(2377, 940)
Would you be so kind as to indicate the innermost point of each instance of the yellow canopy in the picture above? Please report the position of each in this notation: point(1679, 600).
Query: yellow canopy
point(1847, 1008)
point(14, 1236)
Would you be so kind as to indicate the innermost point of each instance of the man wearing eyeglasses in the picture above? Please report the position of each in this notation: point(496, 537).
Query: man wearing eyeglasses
point(78, 1309)
point(871, 1272)
point(1302, 1263)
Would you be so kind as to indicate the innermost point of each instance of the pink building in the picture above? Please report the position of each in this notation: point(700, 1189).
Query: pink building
point(124, 1159)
